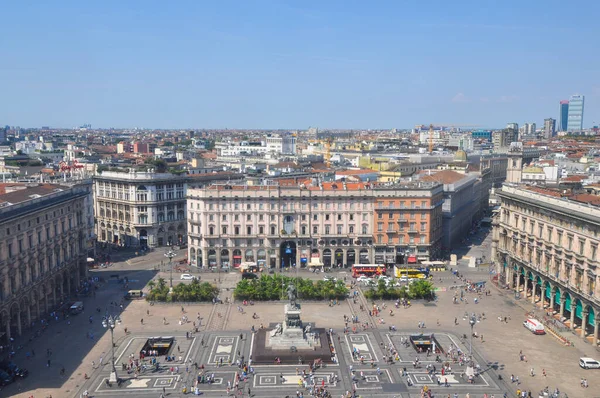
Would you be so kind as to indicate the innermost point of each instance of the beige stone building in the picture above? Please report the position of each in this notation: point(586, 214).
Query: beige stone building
point(330, 223)
point(45, 231)
point(546, 248)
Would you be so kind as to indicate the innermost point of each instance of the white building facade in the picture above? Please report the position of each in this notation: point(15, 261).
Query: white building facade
point(145, 209)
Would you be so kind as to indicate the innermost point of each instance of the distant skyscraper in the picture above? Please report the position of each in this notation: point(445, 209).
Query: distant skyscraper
point(575, 121)
point(549, 128)
point(563, 115)
point(512, 126)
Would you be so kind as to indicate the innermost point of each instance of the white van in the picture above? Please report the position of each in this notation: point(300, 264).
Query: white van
point(589, 363)
point(534, 326)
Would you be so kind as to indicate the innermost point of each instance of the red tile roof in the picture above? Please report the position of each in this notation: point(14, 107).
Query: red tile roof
point(444, 177)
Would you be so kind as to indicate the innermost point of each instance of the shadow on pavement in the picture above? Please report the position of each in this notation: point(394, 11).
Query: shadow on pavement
point(65, 342)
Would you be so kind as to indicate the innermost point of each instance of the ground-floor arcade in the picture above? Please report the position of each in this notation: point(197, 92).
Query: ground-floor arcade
point(570, 307)
point(25, 310)
point(287, 253)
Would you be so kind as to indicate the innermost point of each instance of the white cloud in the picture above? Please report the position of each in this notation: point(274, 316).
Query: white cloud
point(508, 98)
point(484, 99)
point(460, 97)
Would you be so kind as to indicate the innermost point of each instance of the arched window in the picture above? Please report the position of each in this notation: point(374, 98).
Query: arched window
point(236, 230)
point(224, 229)
point(211, 230)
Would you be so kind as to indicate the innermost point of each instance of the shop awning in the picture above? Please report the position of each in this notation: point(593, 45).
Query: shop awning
point(412, 259)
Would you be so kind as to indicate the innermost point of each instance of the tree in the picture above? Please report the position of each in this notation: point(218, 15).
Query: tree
point(421, 288)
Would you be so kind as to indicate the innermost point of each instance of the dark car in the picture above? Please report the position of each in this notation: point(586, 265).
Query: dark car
point(13, 370)
point(249, 275)
point(5, 378)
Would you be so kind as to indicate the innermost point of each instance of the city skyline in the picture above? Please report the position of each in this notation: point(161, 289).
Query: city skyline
point(274, 65)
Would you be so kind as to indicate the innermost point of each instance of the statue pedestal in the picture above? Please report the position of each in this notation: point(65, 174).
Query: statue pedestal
point(292, 333)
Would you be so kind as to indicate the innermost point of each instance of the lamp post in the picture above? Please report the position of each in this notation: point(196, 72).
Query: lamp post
point(111, 322)
point(170, 254)
point(472, 322)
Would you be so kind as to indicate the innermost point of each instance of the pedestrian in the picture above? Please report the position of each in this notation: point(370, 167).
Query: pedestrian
point(48, 364)
point(544, 372)
point(142, 321)
point(531, 373)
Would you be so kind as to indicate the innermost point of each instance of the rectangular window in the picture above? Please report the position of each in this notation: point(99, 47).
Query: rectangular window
point(327, 229)
point(379, 226)
point(581, 246)
point(315, 229)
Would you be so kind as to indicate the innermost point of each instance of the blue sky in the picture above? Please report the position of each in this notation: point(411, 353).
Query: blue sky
point(295, 64)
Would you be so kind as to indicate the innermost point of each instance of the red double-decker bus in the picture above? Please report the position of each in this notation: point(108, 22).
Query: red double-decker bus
point(368, 270)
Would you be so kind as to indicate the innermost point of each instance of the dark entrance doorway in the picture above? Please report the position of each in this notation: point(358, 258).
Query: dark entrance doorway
point(287, 252)
point(143, 239)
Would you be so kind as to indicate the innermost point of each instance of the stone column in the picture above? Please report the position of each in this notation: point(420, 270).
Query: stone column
point(344, 256)
point(29, 315)
point(584, 315)
point(562, 307)
point(204, 258)
point(53, 295)
point(573, 316)
point(508, 275)
point(533, 289)
point(218, 257)
point(69, 285)
point(19, 322)
point(596, 325)
point(552, 294)
point(8, 336)
point(37, 308)
point(518, 281)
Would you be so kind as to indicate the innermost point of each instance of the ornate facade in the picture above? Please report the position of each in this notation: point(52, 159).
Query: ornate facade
point(546, 248)
point(328, 223)
point(143, 209)
point(44, 235)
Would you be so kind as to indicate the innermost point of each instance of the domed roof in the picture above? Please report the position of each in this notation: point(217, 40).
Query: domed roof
point(460, 156)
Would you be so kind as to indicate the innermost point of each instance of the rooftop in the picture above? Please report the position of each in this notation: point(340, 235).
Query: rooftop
point(30, 193)
point(444, 176)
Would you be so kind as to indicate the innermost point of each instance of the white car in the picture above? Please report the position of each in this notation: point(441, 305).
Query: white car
point(329, 278)
point(363, 278)
point(187, 277)
point(589, 363)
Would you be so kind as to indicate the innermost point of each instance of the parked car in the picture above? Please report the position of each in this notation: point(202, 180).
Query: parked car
point(249, 275)
point(5, 378)
point(13, 370)
point(187, 277)
point(589, 363)
point(329, 278)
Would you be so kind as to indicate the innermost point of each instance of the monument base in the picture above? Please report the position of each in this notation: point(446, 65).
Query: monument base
point(293, 337)
point(265, 350)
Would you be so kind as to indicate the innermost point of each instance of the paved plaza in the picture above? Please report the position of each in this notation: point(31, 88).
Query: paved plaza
point(224, 335)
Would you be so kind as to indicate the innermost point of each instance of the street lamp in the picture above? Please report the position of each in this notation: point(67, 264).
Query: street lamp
point(110, 322)
point(170, 254)
point(472, 322)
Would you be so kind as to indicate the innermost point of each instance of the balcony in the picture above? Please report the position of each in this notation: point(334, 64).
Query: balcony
point(391, 231)
point(413, 231)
